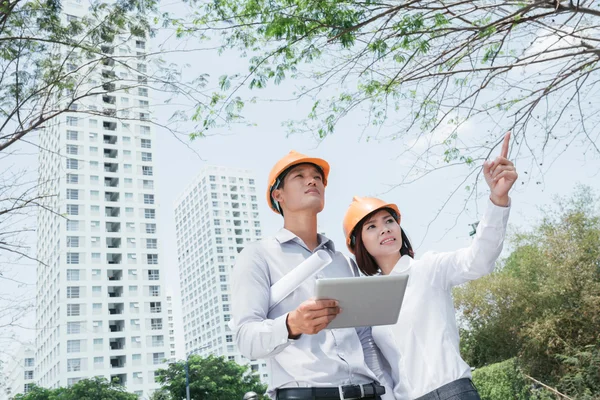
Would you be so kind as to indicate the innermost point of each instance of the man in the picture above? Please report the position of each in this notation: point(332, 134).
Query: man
point(307, 361)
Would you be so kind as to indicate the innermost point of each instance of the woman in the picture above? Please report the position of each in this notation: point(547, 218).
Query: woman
point(422, 349)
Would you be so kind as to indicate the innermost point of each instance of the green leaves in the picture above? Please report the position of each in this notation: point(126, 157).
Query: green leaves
point(85, 389)
point(210, 378)
point(542, 303)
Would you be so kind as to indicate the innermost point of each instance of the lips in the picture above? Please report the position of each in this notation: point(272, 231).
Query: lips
point(388, 240)
point(312, 191)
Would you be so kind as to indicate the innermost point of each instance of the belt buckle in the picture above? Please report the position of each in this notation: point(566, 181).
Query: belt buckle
point(341, 389)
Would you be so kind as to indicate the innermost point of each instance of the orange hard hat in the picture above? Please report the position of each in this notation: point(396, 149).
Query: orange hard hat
point(359, 209)
point(290, 160)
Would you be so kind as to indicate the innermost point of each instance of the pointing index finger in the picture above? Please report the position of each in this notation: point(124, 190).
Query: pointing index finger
point(504, 152)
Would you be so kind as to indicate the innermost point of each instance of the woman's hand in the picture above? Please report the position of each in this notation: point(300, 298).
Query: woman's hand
point(500, 175)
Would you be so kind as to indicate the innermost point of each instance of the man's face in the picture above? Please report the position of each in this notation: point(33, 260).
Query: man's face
point(303, 189)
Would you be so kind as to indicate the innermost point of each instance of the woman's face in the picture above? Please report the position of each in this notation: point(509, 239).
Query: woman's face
point(381, 234)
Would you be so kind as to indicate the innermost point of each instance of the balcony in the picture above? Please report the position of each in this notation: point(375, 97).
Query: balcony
point(111, 182)
point(117, 361)
point(111, 153)
point(108, 62)
point(238, 232)
point(115, 291)
point(109, 112)
point(237, 222)
point(111, 196)
point(116, 308)
point(109, 87)
point(117, 343)
point(111, 167)
point(116, 325)
point(114, 274)
point(110, 139)
point(109, 126)
point(113, 227)
point(119, 379)
point(113, 243)
point(114, 258)
point(108, 74)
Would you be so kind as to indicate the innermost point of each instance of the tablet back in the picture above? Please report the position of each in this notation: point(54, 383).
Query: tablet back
point(365, 301)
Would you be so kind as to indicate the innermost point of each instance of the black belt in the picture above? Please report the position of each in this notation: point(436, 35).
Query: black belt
point(348, 392)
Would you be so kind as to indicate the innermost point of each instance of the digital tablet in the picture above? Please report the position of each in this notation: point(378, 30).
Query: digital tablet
point(365, 301)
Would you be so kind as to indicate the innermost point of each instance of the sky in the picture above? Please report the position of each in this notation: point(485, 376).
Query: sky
point(359, 167)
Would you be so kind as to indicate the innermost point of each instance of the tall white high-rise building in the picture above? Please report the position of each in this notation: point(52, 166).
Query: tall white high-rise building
point(171, 327)
point(215, 217)
point(101, 301)
point(20, 372)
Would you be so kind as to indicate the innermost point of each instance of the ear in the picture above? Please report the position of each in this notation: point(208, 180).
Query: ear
point(277, 195)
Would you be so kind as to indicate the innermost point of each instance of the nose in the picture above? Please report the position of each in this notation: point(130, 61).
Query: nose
point(385, 230)
point(312, 181)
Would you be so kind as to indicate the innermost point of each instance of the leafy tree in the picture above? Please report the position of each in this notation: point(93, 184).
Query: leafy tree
point(543, 303)
point(86, 389)
point(419, 71)
point(210, 378)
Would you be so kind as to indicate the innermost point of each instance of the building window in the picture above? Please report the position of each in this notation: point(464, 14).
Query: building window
point(146, 144)
point(72, 178)
point(157, 358)
point(150, 228)
point(72, 275)
point(72, 149)
point(151, 243)
point(149, 213)
point(154, 290)
point(152, 259)
point(72, 194)
point(73, 310)
point(73, 346)
point(28, 375)
point(156, 323)
point(72, 241)
point(28, 363)
point(72, 135)
point(146, 170)
point(73, 328)
point(72, 163)
point(73, 364)
point(72, 258)
point(72, 292)
point(72, 225)
point(72, 209)
point(148, 199)
point(146, 156)
point(155, 307)
point(153, 275)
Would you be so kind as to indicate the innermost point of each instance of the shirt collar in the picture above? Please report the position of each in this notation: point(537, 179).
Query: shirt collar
point(284, 236)
point(403, 264)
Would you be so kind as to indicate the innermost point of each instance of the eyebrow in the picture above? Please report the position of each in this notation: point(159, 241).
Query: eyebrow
point(303, 168)
point(373, 219)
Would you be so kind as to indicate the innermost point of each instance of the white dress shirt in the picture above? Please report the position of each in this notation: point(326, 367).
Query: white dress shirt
point(331, 357)
point(422, 349)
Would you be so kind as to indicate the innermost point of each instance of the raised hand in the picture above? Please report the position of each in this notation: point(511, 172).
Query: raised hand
point(500, 175)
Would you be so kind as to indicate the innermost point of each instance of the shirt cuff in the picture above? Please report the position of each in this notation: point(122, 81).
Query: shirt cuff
point(497, 215)
point(280, 331)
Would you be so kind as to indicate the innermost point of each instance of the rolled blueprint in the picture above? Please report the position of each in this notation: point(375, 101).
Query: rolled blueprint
point(290, 282)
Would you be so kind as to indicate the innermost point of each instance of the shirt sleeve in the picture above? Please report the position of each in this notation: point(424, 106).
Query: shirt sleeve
point(479, 259)
point(257, 337)
point(375, 361)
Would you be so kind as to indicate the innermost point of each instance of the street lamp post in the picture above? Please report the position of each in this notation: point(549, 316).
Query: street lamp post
point(187, 370)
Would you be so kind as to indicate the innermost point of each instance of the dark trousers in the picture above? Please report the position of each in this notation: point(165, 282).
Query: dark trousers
point(461, 389)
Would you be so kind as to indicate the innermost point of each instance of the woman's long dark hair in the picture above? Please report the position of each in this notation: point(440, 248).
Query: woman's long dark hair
point(365, 261)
